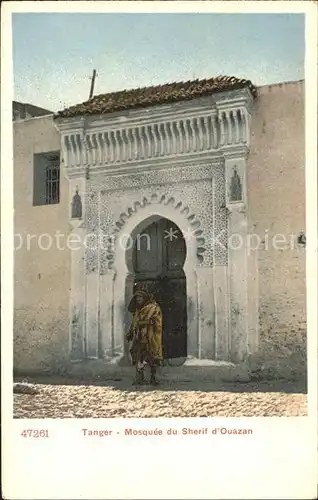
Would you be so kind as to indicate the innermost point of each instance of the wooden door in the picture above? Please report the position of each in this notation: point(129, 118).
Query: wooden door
point(158, 261)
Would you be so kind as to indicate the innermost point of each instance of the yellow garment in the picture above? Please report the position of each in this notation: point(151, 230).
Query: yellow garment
point(147, 328)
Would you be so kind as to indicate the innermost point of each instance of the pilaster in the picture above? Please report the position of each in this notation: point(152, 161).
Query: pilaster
point(76, 245)
point(77, 291)
point(206, 313)
point(236, 200)
point(221, 300)
point(92, 315)
point(106, 313)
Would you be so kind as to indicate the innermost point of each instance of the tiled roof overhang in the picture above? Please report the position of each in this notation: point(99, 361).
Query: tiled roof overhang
point(156, 95)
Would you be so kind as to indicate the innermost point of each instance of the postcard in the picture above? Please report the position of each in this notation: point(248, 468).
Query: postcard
point(159, 249)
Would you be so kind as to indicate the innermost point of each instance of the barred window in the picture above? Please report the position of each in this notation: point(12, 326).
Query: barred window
point(46, 182)
point(52, 184)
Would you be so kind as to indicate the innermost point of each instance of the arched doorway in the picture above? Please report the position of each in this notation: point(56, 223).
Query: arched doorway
point(156, 260)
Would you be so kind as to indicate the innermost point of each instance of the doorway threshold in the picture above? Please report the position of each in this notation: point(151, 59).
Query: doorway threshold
point(191, 361)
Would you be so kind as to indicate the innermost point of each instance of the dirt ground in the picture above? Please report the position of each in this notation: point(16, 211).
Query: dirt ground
point(65, 398)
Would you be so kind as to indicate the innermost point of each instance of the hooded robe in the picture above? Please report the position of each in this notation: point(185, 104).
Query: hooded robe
point(145, 330)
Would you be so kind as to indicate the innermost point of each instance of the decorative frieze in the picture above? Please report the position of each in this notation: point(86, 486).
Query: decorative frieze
point(207, 127)
point(155, 140)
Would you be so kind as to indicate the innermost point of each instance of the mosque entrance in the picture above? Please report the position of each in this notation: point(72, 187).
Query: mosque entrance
point(159, 253)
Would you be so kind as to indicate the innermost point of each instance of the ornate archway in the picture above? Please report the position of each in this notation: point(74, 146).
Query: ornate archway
point(139, 216)
point(186, 220)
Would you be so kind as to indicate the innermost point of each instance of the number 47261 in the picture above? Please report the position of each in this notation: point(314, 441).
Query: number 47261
point(35, 433)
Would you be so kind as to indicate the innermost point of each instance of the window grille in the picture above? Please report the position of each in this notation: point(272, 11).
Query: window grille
point(52, 183)
point(46, 178)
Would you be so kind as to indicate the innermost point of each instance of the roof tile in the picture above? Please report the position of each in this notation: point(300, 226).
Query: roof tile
point(155, 95)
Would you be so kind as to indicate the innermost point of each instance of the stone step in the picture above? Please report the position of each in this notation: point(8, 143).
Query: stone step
point(213, 371)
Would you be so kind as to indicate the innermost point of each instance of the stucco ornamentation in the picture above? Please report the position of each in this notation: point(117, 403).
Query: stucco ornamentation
point(198, 192)
point(92, 230)
point(220, 217)
point(193, 231)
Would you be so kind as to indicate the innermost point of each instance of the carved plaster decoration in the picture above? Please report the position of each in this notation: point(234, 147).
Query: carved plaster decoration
point(201, 189)
point(192, 135)
point(220, 218)
point(193, 223)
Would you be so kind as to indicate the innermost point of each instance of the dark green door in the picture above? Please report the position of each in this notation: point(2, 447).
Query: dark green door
point(158, 259)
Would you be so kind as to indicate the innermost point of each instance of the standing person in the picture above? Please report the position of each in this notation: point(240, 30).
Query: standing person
point(145, 335)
